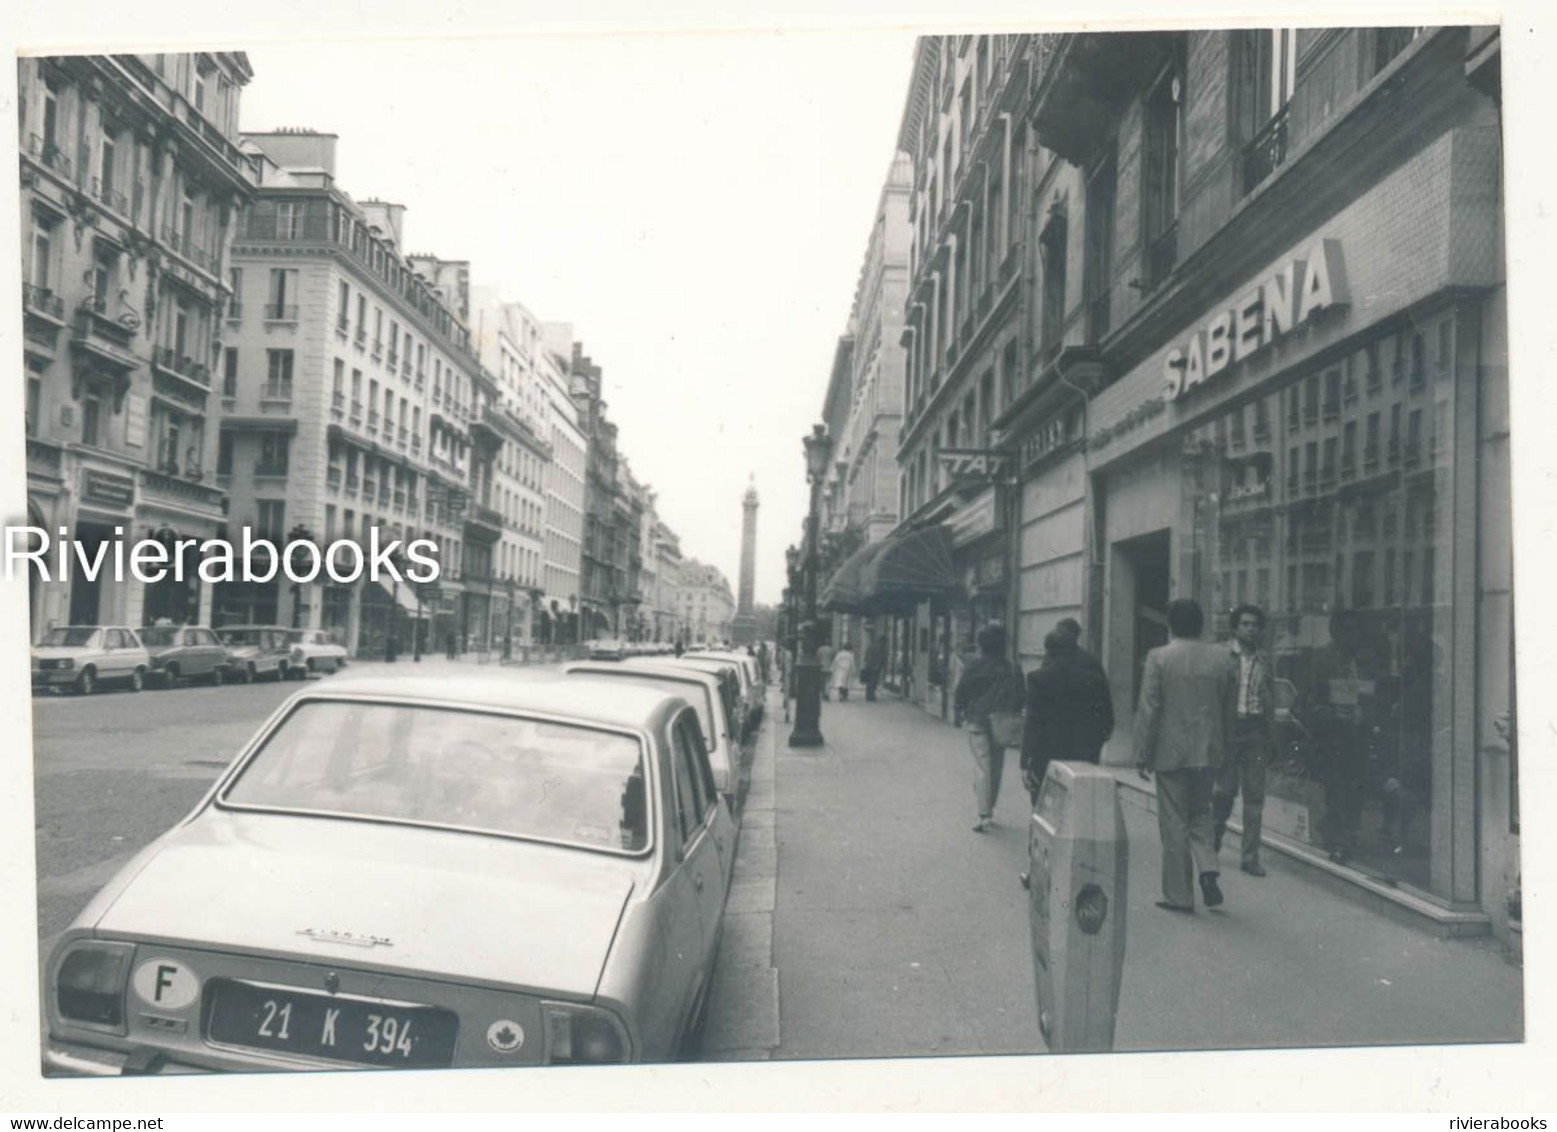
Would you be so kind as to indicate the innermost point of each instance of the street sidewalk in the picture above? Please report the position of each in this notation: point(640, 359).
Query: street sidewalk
point(898, 931)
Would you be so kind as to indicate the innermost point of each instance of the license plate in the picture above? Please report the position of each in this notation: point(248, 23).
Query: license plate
point(335, 1028)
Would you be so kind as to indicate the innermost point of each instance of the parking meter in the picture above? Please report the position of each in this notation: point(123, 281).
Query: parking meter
point(1077, 872)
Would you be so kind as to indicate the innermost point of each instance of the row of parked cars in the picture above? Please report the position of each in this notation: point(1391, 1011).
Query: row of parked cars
point(483, 868)
point(84, 658)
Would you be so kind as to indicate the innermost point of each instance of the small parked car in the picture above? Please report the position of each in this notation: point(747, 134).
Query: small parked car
point(702, 690)
point(607, 648)
point(729, 678)
point(83, 657)
point(180, 652)
point(751, 678)
point(408, 872)
point(257, 650)
point(314, 650)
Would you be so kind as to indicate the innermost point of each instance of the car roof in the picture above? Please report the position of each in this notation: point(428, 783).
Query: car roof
point(224, 628)
point(588, 701)
point(667, 671)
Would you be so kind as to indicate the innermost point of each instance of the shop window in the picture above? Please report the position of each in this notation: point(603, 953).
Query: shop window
point(1361, 647)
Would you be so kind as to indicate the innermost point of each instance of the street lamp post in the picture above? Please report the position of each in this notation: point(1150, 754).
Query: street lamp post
point(808, 672)
point(508, 632)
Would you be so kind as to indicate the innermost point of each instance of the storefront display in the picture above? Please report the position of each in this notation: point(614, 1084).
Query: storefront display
point(1328, 502)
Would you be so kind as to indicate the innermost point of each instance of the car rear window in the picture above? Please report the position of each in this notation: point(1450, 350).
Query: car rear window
point(453, 768)
point(697, 695)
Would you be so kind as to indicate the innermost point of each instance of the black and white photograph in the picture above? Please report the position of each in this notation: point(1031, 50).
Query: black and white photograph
point(892, 545)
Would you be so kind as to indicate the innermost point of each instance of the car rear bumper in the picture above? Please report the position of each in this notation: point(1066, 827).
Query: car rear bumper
point(71, 1059)
point(49, 677)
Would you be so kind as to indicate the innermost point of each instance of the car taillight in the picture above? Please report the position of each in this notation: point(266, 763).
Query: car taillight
point(582, 1035)
point(90, 984)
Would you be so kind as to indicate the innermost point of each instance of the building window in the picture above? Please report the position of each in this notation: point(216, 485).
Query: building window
point(230, 371)
point(1390, 42)
point(270, 521)
point(289, 219)
point(342, 316)
point(34, 403)
point(1163, 123)
point(91, 411)
point(275, 448)
point(42, 256)
point(278, 372)
point(1101, 187)
point(1051, 253)
point(282, 305)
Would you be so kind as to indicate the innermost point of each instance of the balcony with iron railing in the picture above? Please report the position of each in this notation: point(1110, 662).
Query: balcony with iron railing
point(49, 154)
point(369, 488)
point(234, 312)
point(276, 391)
point(373, 422)
point(378, 350)
point(41, 300)
point(333, 478)
point(402, 438)
point(393, 362)
point(270, 468)
point(172, 238)
point(182, 366)
point(361, 337)
point(280, 312)
point(352, 484)
point(1370, 457)
point(106, 195)
point(356, 412)
point(1267, 151)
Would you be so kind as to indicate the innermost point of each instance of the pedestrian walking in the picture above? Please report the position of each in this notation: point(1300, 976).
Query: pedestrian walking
point(762, 662)
point(990, 684)
point(1072, 629)
point(843, 670)
point(449, 645)
point(875, 664)
point(1253, 741)
point(1189, 691)
point(824, 660)
point(1070, 710)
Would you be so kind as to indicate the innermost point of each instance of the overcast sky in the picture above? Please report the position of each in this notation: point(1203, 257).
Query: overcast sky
point(696, 205)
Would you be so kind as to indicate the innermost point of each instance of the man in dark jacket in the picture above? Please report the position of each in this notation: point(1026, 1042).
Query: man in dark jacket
point(1070, 712)
point(875, 663)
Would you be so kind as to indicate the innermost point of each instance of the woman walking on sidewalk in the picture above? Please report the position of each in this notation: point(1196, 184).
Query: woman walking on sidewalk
point(990, 684)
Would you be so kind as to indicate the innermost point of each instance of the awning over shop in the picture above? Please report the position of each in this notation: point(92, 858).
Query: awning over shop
point(895, 573)
point(403, 595)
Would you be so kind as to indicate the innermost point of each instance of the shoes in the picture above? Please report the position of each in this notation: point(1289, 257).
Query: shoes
point(1253, 868)
point(1209, 891)
point(1169, 906)
point(982, 825)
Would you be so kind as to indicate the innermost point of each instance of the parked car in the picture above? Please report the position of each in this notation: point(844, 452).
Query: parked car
point(404, 871)
point(83, 657)
point(257, 650)
point(180, 652)
point(702, 690)
point(751, 678)
point(607, 648)
point(314, 650)
point(727, 671)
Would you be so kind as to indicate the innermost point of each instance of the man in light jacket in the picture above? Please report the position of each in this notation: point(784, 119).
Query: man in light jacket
point(1189, 694)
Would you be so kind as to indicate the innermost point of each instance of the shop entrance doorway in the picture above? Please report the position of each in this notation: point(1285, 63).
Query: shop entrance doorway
point(1140, 590)
point(86, 594)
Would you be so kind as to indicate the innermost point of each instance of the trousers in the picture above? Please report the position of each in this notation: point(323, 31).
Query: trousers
point(989, 761)
point(1185, 824)
point(1244, 770)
